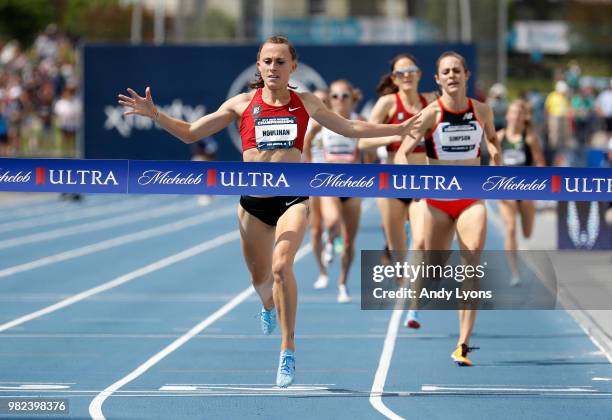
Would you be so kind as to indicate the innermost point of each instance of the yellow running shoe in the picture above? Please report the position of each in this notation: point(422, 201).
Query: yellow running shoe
point(460, 355)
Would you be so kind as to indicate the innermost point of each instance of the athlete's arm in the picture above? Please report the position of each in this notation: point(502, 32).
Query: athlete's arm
point(206, 126)
point(350, 128)
point(379, 114)
point(312, 131)
point(485, 114)
point(500, 135)
point(536, 151)
point(425, 120)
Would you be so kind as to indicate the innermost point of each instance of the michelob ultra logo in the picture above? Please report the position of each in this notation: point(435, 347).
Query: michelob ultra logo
point(581, 184)
point(74, 177)
point(418, 182)
point(10, 177)
point(245, 179)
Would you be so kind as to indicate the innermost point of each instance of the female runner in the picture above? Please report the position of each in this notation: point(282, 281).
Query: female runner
point(453, 127)
point(340, 214)
point(399, 100)
point(271, 228)
point(519, 147)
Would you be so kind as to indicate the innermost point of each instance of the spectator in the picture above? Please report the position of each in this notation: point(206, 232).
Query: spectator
point(44, 111)
point(4, 127)
point(572, 75)
point(536, 100)
point(46, 44)
point(557, 108)
point(68, 113)
point(603, 108)
point(498, 102)
point(582, 108)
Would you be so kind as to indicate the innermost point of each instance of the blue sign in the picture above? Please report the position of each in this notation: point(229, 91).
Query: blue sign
point(63, 175)
point(188, 82)
point(306, 179)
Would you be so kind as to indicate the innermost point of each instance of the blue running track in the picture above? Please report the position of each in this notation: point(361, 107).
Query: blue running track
point(140, 307)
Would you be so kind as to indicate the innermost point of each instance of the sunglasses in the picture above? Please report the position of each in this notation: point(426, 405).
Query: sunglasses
point(406, 71)
point(341, 95)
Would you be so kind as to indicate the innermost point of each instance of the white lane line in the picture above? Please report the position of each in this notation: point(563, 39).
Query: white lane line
point(119, 240)
point(95, 408)
point(38, 383)
point(219, 336)
point(25, 200)
point(49, 208)
point(105, 209)
point(384, 363)
point(33, 387)
point(376, 393)
point(241, 387)
point(158, 265)
point(260, 385)
point(202, 392)
point(98, 225)
point(592, 330)
point(433, 388)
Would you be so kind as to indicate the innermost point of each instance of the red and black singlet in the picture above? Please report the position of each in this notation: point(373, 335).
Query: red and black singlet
point(399, 116)
point(268, 127)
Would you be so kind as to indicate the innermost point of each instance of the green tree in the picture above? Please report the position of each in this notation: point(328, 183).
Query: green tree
point(24, 19)
point(214, 25)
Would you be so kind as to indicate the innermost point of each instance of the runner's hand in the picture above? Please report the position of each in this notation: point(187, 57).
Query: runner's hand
point(411, 127)
point(139, 105)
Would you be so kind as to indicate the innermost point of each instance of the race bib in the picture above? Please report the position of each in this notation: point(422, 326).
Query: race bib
point(316, 150)
point(340, 145)
point(514, 157)
point(275, 132)
point(458, 138)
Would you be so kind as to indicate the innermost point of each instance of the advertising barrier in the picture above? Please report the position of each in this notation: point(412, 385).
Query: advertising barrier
point(306, 179)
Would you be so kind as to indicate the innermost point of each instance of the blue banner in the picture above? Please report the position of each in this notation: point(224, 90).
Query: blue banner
point(306, 179)
point(63, 175)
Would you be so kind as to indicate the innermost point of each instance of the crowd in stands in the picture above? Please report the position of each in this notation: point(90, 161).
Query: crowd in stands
point(40, 108)
point(573, 121)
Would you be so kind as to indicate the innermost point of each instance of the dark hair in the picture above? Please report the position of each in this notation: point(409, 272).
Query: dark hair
point(386, 85)
point(276, 39)
point(451, 54)
point(355, 92)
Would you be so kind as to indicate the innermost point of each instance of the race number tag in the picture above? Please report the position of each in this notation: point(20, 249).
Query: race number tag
point(458, 138)
point(335, 144)
point(275, 132)
point(514, 157)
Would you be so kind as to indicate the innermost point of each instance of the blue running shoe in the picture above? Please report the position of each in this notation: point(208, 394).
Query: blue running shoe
point(286, 369)
point(268, 320)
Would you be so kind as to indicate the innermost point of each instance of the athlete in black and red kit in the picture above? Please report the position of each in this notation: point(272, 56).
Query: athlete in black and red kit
point(399, 100)
point(273, 119)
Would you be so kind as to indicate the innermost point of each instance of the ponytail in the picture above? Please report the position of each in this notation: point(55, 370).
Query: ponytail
point(386, 85)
